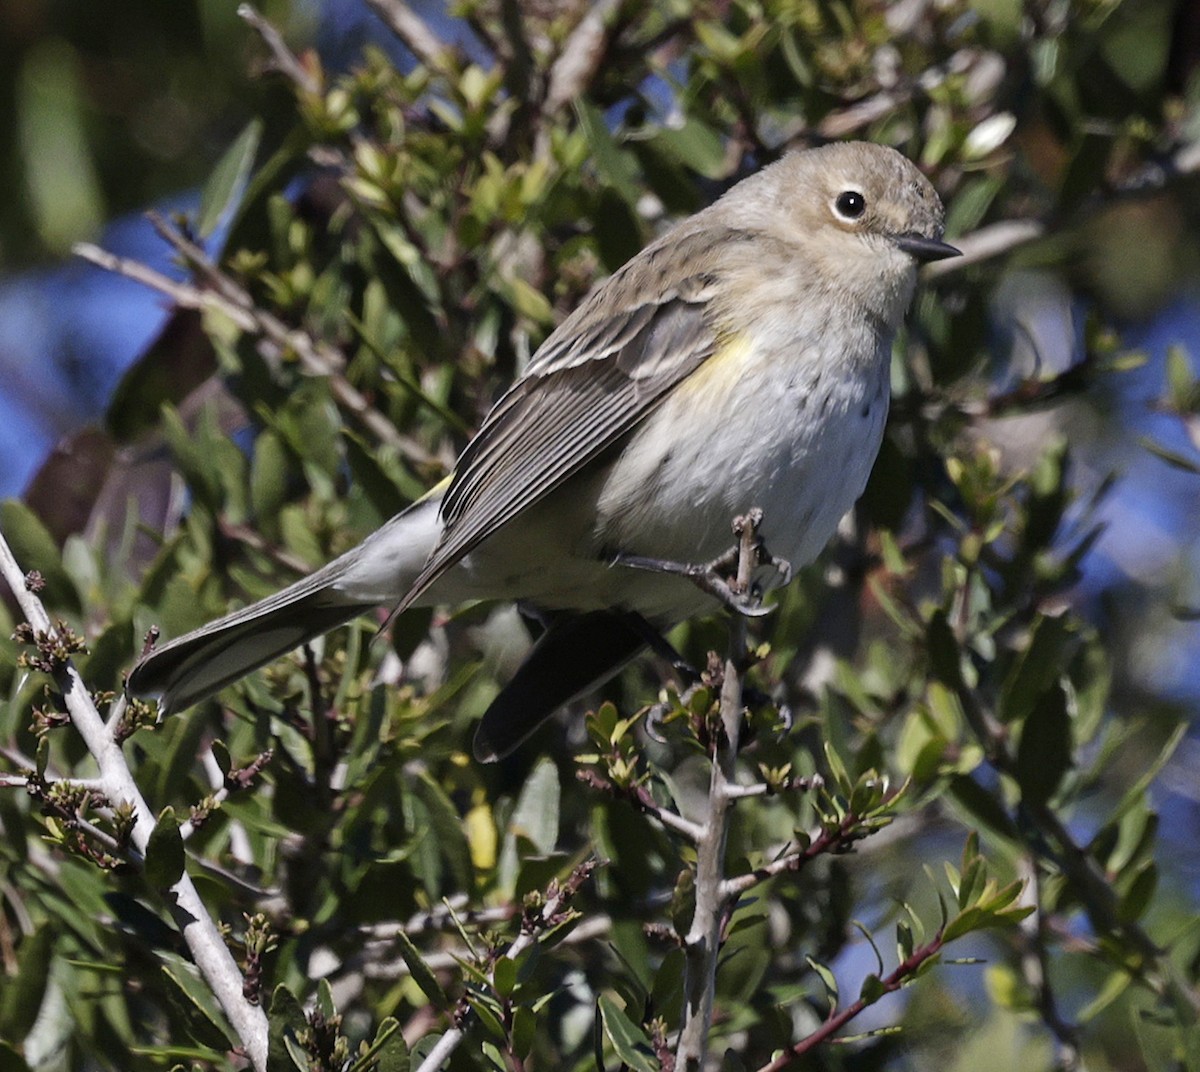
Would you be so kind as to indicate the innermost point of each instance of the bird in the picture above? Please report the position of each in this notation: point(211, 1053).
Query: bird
point(739, 362)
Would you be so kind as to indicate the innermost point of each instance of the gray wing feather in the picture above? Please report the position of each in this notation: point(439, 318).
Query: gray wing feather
point(587, 386)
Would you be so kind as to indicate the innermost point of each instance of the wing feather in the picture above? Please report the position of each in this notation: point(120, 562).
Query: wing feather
point(591, 382)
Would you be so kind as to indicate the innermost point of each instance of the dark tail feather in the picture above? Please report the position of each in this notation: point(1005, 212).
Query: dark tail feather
point(202, 662)
point(574, 655)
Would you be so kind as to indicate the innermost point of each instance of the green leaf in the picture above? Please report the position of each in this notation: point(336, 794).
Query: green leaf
point(1114, 986)
point(1138, 894)
point(164, 851)
point(444, 841)
point(872, 989)
point(387, 1053)
point(827, 978)
point(617, 165)
point(504, 976)
point(945, 661)
point(228, 179)
point(22, 995)
point(268, 480)
point(325, 999)
point(191, 998)
point(1173, 458)
point(285, 1020)
point(697, 146)
point(421, 973)
point(1038, 667)
point(535, 818)
point(34, 549)
point(983, 806)
point(627, 1038)
point(1044, 754)
point(524, 1031)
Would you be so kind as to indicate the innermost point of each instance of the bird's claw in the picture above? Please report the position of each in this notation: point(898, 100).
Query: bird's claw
point(711, 577)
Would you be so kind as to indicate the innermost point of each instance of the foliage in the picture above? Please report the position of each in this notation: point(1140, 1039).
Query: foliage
point(928, 691)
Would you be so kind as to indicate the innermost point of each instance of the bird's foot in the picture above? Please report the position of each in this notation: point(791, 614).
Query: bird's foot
point(721, 578)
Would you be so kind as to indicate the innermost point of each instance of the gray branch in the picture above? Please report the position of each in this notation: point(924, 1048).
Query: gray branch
point(199, 931)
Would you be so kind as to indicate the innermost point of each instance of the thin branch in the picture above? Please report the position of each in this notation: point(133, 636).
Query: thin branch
point(581, 57)
point(551, 913)
point(407, 25)
point(703, 940)
point(225, 296)
point(200, 933)
point(851, 829)
point(373, 966)
point(988, 242)
point(906, 969)
point(21, 781)
point(1035, 966)
point(639, 797)
point(285, 60)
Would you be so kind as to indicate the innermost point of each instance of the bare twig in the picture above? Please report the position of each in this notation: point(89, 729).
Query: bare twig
point(703, 940)
point(224, 295)
point(851, 829)
point(988, 242)
point(1035, 966)
point(199, 932)
point(904, 971)
point(534, 925)
point(407, 25)
point(283, 57)
point(639, 797)
point(580, 57)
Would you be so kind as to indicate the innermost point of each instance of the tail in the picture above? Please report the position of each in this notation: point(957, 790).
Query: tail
point(576, 654)
point(379, 570)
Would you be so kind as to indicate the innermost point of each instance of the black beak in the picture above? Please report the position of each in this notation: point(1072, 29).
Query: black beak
point(925, 249)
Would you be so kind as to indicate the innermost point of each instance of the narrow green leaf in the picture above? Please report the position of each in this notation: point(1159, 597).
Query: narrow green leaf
point(34, 549)
point(524, 1031)
point(534, 818)
point(22, 995)
point(1044, 754)
point(1037, 668)
point(228, 179)
point(945, 660)
point(191, 998)
point(1173, 458)
point(858, 926)
point(325, 999)
point(827, 978)
point(421, 973)
point(1114, 986)
point(164, 851)
point(983, 806)
point(285, 1020)
point(872, 989)
point(504, 976)
point(627, 1038)
point(616, 164)
point(1140, 891)
point(268, 479)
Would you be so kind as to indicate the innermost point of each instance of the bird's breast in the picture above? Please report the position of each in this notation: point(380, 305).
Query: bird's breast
point(790, 425)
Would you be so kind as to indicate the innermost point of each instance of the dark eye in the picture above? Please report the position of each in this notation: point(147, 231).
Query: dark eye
point(850, 204)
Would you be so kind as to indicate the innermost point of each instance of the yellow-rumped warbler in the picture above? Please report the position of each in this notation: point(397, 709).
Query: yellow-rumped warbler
point(740, 361)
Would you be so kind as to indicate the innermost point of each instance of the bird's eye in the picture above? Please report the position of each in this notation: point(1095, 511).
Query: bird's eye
point(850, 204)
